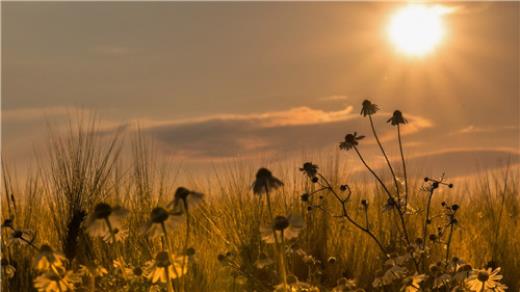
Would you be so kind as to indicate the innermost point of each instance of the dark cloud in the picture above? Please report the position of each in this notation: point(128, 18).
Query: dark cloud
point(276, 132)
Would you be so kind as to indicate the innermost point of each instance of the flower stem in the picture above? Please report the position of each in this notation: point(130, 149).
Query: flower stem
point(384, 154)
point(405, 231)
point(448, 244)
point(185, 258)
point(277, 247)
point(404, 164)
point(168, 247)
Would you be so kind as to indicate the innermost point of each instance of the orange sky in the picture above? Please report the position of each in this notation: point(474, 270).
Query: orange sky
point(210, 81)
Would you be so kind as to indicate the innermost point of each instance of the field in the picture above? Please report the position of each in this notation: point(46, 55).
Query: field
point(88, 219)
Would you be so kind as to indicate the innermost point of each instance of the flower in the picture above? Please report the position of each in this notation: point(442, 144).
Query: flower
point(412, 284)
point(265, 182)
point(485, 280)
point(287, 228)
point(351, 141)
point(48, 259)
point(160, 219)
point(164, 267)
point(397, 118)
point(8, 270)
point(93, 270)
point(57, 281)
point(119, 234)
point(105, 220)
point(369, 108)
point(21, 237)
point(185, 198)
point(310, 169)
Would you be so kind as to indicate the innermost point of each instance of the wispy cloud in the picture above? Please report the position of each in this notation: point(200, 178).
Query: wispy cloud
point(471, 129)
point(228, 135)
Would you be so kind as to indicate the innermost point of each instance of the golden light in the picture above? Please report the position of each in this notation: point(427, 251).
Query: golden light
point(417, 29)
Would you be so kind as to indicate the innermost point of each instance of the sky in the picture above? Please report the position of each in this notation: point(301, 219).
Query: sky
point(213, 82)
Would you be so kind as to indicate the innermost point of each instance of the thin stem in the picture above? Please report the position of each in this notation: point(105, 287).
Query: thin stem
point(277, 247)
point(405, 232)
point(168, 246)
point(384, 154)
point(352, 221)
point(448, 244)
point(111, 230)
point(427, 221)
point(170, 285)
point(185, 258)
point(404, 164)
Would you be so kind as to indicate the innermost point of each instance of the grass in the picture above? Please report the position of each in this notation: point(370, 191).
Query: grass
point(83, 169)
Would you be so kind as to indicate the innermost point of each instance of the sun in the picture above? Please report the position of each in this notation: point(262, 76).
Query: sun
point(417, 29)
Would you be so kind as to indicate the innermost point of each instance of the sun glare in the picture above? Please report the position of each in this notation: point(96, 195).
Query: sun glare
point(417, 29)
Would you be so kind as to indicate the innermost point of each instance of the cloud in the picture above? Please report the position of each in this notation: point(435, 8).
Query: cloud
point(460, 162)
point(471, 129)
point(34, 113)
point(334, 98)
point(296, 129)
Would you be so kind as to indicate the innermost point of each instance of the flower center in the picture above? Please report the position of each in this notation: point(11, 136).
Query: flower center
point(159, 215)
point(102, 211)
point(280, 223)
point(483, 276)
point(162, 259)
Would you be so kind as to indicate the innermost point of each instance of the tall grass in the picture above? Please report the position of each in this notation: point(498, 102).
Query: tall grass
point(84, 169)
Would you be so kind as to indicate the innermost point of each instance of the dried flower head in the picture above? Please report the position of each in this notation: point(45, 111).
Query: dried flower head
point(289, 227)
point(160, 220)
point(368, 108)
point(397, 118)
point(184, 199)
point(104, 220)
point(351, 141)
point(265, 182)
point(310, 169)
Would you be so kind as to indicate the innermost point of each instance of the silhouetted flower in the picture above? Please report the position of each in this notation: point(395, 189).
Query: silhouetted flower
point(265, 181)
point(21, 237)
point(57, 281)
point(164, 267)
point(351, 141)
point(485, 280)
point(160, 218)
point(184, 199)
point(368, 108)
point(310, 169)
point(104, 220)
point(48, 259)
point(397, 118)
point(289, 226)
